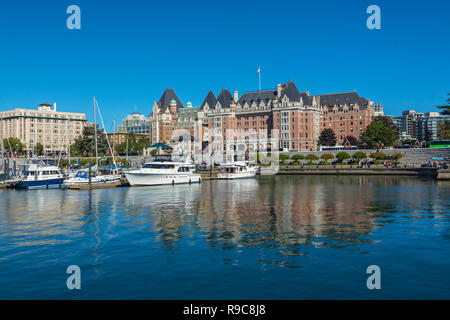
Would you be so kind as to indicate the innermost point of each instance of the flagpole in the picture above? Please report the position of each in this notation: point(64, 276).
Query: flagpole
point(259, 75)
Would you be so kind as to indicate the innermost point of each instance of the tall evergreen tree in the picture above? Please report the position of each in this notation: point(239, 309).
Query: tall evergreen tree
point(327, 138)
point(446, 107)
point(85, 144)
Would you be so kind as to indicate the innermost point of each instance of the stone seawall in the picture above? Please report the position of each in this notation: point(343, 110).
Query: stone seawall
point(347, 170)
point(443, 174)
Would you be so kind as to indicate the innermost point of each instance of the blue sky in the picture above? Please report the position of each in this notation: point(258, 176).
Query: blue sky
point(128, 52)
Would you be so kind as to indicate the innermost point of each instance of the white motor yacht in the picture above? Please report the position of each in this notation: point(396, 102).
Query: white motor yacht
point(162, 170)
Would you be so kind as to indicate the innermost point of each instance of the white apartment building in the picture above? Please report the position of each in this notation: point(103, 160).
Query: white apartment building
point(53, 129)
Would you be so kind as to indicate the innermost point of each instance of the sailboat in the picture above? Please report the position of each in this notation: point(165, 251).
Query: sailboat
point(88, 178)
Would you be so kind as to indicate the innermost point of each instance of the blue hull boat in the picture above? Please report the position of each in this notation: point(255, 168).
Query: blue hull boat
point(42, 184)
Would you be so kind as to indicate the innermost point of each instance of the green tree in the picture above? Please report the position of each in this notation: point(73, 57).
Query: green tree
point(298, 157)
point(378, 155)
point(155, 151)
point(387, 121)
point(327, 156)
point(133, 144)
point(377, 134)
point(143, 143)
point(352, 140)
point(341, 156)
point(284, 157)
point(397, 155)
point(444, 130)
point(39, 148)
point(359, 155)
point(327, 138)
point(445, 108)
point(311, 157)
point(85, 144)
point(13, 145)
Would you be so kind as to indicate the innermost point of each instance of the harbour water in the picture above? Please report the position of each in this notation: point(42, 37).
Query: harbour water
point(277, 237)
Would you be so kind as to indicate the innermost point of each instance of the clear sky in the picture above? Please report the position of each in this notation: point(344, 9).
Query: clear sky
point(128, 52)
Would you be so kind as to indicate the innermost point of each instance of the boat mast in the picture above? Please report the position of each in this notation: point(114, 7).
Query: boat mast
point(3, 147)
point(114, 137)
point(107, 139)
point(68, 140)
point(95, 128)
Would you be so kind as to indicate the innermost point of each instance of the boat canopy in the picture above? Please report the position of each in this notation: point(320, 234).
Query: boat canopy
point(84, 174)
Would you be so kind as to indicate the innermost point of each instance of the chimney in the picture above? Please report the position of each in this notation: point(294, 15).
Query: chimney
point(236, 96)
point(279, 90)
point(54, 106)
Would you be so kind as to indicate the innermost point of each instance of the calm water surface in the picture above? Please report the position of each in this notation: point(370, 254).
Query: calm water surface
point(271, 238)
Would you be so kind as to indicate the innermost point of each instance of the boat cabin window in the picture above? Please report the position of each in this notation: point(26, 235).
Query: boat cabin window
point(158, 166)
point(183, 169)
point(163, 157)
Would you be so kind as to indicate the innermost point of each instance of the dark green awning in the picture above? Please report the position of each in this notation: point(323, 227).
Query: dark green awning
point(161, 145)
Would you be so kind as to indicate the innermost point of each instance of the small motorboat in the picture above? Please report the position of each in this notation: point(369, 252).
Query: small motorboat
point(82, 178)
point(237, 170)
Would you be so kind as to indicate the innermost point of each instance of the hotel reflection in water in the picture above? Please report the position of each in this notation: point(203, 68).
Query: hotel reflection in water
point(281, 211)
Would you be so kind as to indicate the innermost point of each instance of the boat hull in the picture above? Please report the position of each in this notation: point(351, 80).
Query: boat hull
point(145, 179)
point(96, 181)
point(235, 176)
point(41, 184)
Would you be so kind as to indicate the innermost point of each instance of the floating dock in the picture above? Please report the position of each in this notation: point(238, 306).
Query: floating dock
point(7, 184)
point(92, 186)
point(207, 174)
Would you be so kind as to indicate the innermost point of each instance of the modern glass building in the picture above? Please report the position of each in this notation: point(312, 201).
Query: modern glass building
point(135, 122)
point(427, 126)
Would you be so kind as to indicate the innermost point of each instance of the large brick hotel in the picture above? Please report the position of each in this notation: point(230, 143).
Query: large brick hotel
point(298, 116)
